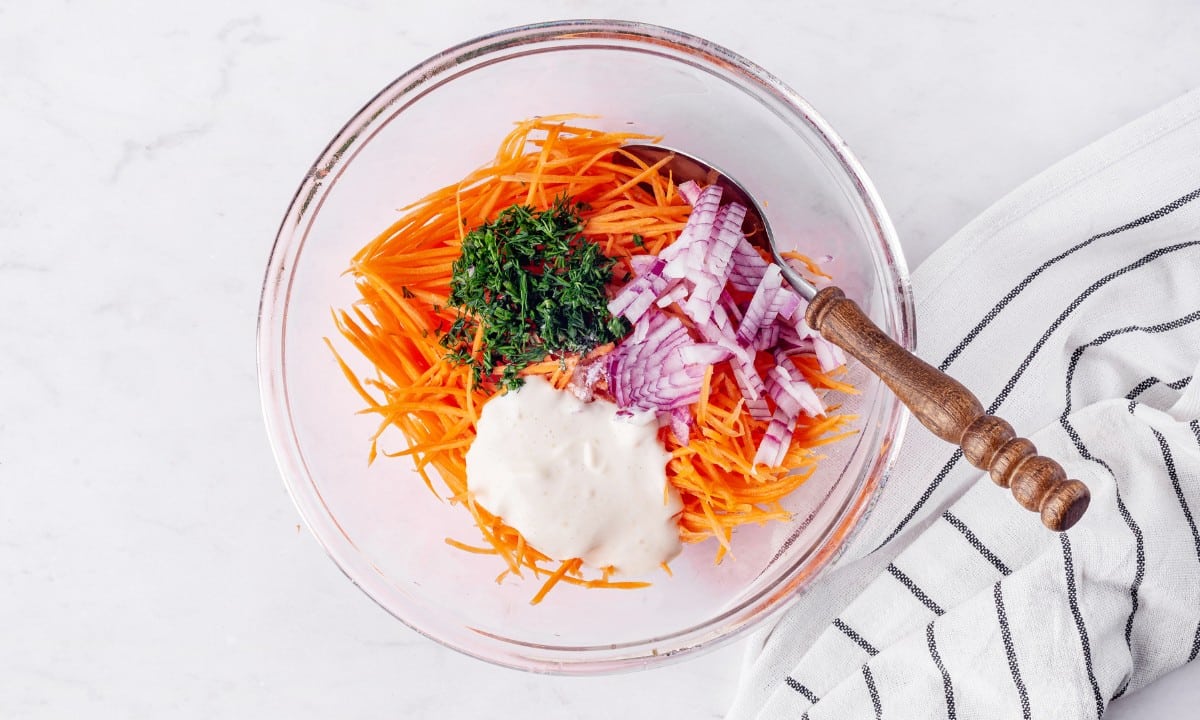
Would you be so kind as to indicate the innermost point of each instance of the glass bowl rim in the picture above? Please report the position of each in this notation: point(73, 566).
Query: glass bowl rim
point(292, 235)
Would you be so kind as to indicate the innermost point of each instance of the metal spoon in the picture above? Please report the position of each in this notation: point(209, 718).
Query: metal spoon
point(937, 400)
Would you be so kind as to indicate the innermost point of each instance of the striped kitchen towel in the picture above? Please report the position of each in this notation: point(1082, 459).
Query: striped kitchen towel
point(1072, 309)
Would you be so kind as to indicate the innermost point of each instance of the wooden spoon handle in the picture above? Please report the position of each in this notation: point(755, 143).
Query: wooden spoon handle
point(952, 413)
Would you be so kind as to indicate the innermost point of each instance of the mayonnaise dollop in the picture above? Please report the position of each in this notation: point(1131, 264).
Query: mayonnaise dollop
point(575, 480)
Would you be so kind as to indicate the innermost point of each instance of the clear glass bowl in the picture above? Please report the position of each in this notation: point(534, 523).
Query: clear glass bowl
point(430, 127)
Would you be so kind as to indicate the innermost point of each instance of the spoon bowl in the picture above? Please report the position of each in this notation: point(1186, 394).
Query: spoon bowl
point(683, 167)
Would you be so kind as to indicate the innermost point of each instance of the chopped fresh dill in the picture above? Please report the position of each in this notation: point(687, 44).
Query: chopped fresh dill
point(535, 287)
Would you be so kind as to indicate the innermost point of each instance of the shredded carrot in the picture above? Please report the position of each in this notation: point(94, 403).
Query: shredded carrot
point(403, 276)
point(470, 548)
point(565, 567)
point(808, 262)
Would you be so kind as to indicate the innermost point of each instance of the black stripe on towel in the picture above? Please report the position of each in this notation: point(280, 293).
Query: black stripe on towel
point(1016, 377)
point(1085, 643)
point(853, 635)
point(1139, 541)
point(1195, 426)
point(975, 542)
point(917, 592)
point(947, 685)
point(1010, 651)
point(1169, 461)
point(874, 692)
point(1150, 382)
point(1020, 287)
point(1085, 453)
point(1139, 572)
point(809, 695)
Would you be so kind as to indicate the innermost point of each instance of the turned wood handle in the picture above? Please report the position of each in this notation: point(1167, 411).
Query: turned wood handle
point(952, 413)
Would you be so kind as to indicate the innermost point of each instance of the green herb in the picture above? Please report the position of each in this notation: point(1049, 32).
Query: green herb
point(537, 288)
point(639, 241)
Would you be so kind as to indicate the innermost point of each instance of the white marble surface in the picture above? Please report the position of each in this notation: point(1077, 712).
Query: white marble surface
point(150, 561)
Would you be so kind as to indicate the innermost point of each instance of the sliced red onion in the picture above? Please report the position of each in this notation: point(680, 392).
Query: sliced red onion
point(677, 292)
point(748, 381)
point(705, 294)
point(623, 299)
point(635, 298)
point(697, 230)
point(757, 313)
point(758, 408)
point(693, 259)
point(809, 400)
point(641, 263)
point(787, 386)
point(773, 299)
point(640, 305)
point(747, 267)
point(718, 221)
point(624, 368)
point(784, 400)
point(720, 316)
point(638, 336)
point(730, 306)
point(793, 347)
point(681, 424)
point(728, 233)
point(664, 329)
point(709, 262)
point(704, 354)
point(723, 337)
point(789, 303)
point(829, 356)
point(690, 191)
point(646, 268)
point(800, 325)
point(774, 445)
point(767, 338)
point(661, 371)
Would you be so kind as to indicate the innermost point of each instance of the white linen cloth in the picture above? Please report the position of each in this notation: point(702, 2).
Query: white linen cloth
point(1072, 309)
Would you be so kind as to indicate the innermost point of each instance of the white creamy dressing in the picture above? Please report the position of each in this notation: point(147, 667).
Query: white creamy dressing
point(574, 480)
